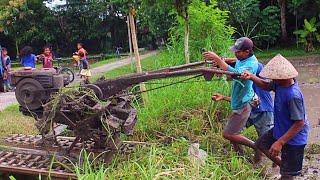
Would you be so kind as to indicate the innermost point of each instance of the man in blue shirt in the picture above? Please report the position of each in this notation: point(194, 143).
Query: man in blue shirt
point(261, 117)
point(242, 91)
point(290, 133)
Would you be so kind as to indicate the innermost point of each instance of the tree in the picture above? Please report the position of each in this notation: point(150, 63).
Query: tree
point(182, 10)
point(12, 19)
point(157, 18)
point(284, 34)
point(308, 34)
point(208, 29)
point(251, 19)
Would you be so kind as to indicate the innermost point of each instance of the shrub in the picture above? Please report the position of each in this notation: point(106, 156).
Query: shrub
point(208, 29)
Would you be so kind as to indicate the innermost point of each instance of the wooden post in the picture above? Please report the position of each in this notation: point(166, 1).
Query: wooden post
point(136, 51)
point(130, 42)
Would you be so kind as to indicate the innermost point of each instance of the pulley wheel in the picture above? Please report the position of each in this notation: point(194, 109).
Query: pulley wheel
point(96, 89)
point(29, 93)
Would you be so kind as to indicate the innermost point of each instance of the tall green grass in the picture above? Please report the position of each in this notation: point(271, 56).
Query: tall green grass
point(173, 118)
point(14, 122)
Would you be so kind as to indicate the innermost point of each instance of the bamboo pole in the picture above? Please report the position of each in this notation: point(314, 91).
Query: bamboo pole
point(130, 42)
point(136, 51)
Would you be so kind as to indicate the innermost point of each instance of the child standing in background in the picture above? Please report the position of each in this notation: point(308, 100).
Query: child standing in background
point(85, 71)
point(7, 67)
point(76, 56)
point(46, 58)
point(81, 50)
point(27, 58)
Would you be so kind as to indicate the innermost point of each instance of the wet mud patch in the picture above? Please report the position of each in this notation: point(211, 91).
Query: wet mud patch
point(309, 81)
point(311, 168)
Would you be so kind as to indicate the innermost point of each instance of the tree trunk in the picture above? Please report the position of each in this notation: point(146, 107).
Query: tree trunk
point(17, 47)
point(136, 52)
point(284, 34)
point(186, 39)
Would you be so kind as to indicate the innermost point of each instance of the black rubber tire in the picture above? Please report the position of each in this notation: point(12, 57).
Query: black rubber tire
point(29, 93)
point(69, 72)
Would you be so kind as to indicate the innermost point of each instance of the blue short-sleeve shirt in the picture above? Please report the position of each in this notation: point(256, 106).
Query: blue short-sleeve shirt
point(288, 108)
point(242, 91)
point(1, 67)
point(29, 61)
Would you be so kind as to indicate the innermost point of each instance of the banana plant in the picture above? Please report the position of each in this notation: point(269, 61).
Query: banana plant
point(308, 35)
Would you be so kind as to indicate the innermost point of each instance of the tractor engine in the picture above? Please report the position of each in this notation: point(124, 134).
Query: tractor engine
point(35, 86)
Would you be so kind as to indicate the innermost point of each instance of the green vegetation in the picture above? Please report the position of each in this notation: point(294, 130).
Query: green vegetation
point(13, 122)
point(292, 51)
point(101, 25)
point(178, 115)
point(308, 35)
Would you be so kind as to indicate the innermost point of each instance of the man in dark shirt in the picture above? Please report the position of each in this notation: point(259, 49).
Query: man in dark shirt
point(290, 133)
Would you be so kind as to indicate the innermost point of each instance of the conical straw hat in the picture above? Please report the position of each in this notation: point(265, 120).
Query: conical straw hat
point(279, 68)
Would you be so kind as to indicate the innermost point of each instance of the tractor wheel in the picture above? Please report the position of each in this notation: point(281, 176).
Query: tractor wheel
point(29, 93)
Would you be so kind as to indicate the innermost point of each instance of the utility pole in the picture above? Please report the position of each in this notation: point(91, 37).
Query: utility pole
point(136, 51)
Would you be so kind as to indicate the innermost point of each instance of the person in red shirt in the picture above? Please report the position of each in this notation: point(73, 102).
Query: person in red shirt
point(85, 71)
point(76, 55)
point(46, 58)
point(81, 49)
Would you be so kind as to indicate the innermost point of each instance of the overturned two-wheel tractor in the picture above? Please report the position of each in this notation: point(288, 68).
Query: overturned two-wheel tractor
point(93, 116)
point(89, 119)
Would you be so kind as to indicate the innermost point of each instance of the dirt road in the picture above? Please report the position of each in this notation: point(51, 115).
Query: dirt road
point(6, 99)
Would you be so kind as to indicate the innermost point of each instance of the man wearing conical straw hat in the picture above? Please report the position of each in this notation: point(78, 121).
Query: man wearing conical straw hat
point(290, 133)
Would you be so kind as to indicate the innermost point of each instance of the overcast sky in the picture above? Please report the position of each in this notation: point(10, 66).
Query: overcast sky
point(54, 3)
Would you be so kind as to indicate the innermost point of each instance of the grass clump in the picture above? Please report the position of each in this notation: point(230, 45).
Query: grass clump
point(170, 162)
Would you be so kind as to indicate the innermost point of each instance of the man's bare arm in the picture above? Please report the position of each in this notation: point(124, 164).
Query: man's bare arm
point(293, 131)
point(214, 57)
point(230, 60)
point(264, 84)
point(219, 97)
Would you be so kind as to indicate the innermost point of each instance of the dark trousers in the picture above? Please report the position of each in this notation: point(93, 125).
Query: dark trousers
point(1, 84)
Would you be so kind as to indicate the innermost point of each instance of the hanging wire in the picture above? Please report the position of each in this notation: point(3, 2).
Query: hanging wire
point(167, 85)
